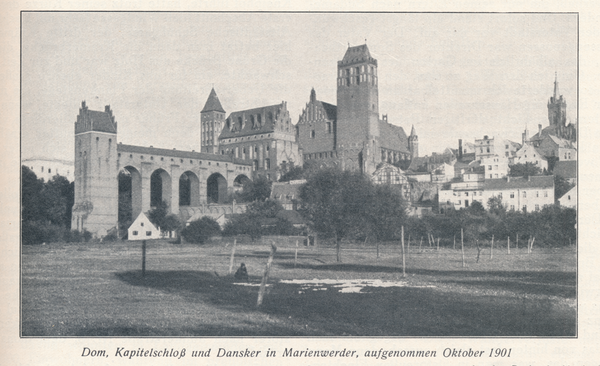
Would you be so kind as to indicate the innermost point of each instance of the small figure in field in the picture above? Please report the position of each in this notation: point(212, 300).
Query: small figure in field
point(241, 273)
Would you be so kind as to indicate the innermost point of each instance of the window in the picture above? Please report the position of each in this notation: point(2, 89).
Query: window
point(489, 167)
point(512, 207)
point(537, 193)
point(490, 176)
point(134, 233)
point(488, 149)
point(537, 207)
point(42, 169)
point(512, 194)
point(545, 193)
point(312, 134)
point(49, 170)
point(267, 164)
point(525, 208)
point(524, 194)
point(148, 233)
point(328, 127)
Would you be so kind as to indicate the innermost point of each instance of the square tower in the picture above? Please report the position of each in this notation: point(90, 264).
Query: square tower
point(357, 108)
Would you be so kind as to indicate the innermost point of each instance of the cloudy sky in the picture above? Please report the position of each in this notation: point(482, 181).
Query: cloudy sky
point(450, 75)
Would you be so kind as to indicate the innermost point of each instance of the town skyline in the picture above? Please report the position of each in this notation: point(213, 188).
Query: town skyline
point(156, 70)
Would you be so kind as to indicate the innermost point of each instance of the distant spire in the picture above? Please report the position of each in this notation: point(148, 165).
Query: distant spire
point(313, 95)
point(556, 93)
point(413, 132)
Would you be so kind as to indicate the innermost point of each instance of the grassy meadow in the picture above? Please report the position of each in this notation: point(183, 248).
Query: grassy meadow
point(97, 289)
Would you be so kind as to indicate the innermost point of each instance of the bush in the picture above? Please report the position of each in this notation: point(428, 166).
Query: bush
point(37, 232)
point(200, 230)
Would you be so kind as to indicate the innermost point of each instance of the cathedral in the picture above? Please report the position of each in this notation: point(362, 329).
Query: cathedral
point(350, 135)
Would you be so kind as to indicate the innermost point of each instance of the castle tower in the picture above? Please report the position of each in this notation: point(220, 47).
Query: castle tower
point(96, 187)
point(557, 108)
point(358, 109)
point(525, 136)
point(212, 120)
point(413, 143)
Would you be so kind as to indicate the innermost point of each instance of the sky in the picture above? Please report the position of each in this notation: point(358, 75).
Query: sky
point(451, 75)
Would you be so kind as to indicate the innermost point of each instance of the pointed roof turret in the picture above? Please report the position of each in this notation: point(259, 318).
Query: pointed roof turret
point(212, 103)
point(313, 95)
point(556, 93)
point(413, 132)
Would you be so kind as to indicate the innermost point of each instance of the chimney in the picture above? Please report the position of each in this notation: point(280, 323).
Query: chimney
point(460, 149)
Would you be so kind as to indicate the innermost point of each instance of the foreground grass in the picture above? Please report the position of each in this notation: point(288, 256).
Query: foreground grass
point(97, 289)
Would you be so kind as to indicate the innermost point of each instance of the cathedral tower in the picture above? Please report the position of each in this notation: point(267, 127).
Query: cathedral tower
point(212, 120)
point(96, 187)
point(358, 109)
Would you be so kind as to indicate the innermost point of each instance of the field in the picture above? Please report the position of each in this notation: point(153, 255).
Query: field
point(97, 289)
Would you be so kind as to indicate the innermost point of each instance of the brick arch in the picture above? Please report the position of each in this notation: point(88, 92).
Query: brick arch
point(160, 187)
point(189, 189)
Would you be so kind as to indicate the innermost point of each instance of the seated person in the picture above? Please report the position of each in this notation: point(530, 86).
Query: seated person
point(241, 273)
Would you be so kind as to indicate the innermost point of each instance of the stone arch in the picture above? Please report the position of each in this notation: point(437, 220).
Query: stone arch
point(130, 195)
point(160, 187)
point(216, 188)
point(189, 189)
point(239, 182)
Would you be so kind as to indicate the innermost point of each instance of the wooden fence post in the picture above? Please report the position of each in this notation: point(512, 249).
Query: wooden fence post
point(531, 250)
point(454, 246)
point(263, 283)
point(232, 256)
point(421, 242)
point(438, 243)
point(408, 246)
point(296, 255)
point(462, 246)
point(144, 258)
point(403, 256)
point(492, 248)
point(517, 242)
point(508, 244)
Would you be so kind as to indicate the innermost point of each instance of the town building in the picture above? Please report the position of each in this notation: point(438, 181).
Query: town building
point(569, 199)
point(46, 168)
point(529, 154)
point(517, 193)
point(487, 147)
point(566, 169)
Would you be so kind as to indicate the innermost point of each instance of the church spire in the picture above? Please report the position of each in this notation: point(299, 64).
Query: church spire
point(413, 132)
point(556, 93)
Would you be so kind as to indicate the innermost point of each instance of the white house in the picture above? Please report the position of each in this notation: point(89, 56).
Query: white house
point(569, 199)
point(47, 168)
point(143, 229)
point(529, 154)
point(517, 193)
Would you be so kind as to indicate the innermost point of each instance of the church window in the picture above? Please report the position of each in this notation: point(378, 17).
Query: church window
point(259, 119)
point(358, 70)
point(312, 134)
point(358, 80)
point(347, 81)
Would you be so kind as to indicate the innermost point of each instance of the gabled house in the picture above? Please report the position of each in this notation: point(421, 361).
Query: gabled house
point(569, 199)
point(529, 154)
point(143, 229)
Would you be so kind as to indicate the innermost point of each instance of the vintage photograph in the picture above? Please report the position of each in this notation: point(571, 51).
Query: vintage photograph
point(296, 174)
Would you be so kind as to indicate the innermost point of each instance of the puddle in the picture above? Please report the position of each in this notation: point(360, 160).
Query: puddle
point(346, 286)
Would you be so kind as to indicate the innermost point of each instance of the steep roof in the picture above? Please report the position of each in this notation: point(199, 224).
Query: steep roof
point(566, 169)
point(357, 54)
point(212, 103)
point(286, 191)
point(331, 111)
point(269, 117)
point(102, 121)
point(537, 181)
point(392, 137)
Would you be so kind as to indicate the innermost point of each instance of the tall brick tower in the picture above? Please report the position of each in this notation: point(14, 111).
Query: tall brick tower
point(557, 107)
point(212, 119)
point(96, 187)
point(358, 109)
